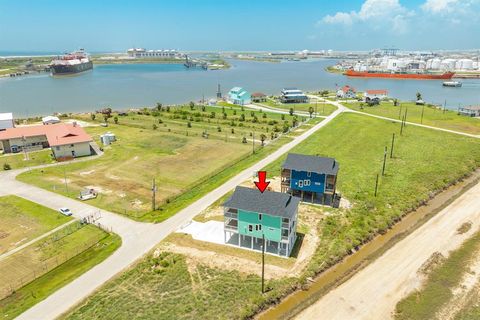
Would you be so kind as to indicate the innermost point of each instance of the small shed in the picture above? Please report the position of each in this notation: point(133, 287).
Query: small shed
point(50, 120)
point(108, 138)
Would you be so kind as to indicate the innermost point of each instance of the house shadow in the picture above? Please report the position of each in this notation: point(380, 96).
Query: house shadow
point(298, 245)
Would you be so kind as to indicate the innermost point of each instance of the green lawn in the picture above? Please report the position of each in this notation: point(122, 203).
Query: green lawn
point(424, 161)
point(167, 287)
point(323, 109)
point(41, 288)
point(18, 160)
point(432, 116)
point(437, 291)
point(22, 221)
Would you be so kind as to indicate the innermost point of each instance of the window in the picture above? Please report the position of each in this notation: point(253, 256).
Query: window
point(306, 183)
point(250, 228)
point(309, 174)
point(58, 148)
point(256, 227)
point(259, 217)
point(259, 227)
point(300, 183)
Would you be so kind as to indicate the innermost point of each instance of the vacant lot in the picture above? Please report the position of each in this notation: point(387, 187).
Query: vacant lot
point(432, 115)
point(29, 263)
point(424, 161)
point(170, 287)
point(22, 221)
point(123, 176)
point(39, 289)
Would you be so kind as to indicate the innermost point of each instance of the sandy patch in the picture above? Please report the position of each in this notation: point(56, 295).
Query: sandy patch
point(82, 123)
point(113, 177)
point(215, 260)
point(86, 173)
point(468, 287)
point(137, 204)
point(121, 194)
point(99, 189)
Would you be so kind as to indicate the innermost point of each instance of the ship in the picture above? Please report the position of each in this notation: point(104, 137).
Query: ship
point(71, 63)
point(455, 84)
point(400, 75)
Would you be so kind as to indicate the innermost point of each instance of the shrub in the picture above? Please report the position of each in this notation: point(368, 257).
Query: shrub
point(6, 166)
point(154, 126)
point(244, 140)
point(189, 124)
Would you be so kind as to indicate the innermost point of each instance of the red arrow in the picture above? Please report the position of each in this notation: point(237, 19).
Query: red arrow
point(262, 184)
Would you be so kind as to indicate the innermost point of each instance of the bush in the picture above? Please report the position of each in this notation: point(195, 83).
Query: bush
point(154, 126)
point(189, 124)
point(244, 140)
point(6, 166)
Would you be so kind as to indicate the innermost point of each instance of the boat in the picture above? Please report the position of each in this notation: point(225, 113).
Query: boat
point(71, 63)
point(400, 75)
point(455, 84)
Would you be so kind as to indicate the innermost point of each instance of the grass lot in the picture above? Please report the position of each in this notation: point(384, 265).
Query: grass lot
point(437, 291)
point(167, 287)
point(323, 109)
point(17, 161)
point(184, 164)
point(123, 176)
point(46, 254)
point(424, 161)
point(22, 221)
point(432, 116)
point(42, 287)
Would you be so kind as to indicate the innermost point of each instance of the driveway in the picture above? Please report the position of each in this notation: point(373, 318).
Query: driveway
point(137, 238)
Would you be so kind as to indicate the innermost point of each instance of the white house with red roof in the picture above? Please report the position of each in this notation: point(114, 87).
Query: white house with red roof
point(347, 92)
point(66, 140)
point(379, 94)
point(6, 121)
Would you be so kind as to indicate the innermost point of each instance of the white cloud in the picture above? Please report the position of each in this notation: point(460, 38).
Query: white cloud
point(339, 17)
point(439, 6)
point(377, 13)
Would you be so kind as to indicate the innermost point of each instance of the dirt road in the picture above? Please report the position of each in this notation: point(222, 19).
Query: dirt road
point(373, 292)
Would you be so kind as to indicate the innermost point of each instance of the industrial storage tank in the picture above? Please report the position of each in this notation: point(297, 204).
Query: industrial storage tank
point(466, 64)
point(436, 64)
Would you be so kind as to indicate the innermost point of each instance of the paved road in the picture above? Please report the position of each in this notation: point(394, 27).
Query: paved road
point(137, 238)
point(373, 292)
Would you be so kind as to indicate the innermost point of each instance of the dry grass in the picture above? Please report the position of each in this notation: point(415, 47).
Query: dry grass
point(22, 221)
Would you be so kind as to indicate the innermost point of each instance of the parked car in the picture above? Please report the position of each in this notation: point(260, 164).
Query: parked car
point(65, 211)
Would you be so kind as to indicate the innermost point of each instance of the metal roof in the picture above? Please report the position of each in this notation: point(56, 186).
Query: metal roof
point(6, 116)
point(269, 202)
point(302, 162)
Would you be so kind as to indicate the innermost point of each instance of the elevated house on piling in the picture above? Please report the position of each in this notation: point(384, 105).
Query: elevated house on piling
point(250, 215)
point(312, 178)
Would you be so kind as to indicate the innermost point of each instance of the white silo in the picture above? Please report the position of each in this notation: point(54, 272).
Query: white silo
point(466, 64)
point(436, 64)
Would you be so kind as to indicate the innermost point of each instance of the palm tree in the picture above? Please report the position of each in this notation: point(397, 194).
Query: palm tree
point(419, 96)
point(310, 110)
point(291, 111)
point(263, 137)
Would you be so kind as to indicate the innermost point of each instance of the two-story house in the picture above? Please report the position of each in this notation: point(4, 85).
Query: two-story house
point(311, 178)
point(250, 215)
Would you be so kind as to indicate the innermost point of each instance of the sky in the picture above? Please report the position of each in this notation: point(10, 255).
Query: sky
point(246, 25)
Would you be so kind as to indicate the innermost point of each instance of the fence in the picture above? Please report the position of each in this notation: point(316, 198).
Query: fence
point(19, 278)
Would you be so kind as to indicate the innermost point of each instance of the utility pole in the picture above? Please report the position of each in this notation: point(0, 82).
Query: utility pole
point(384, 160)
point(65, 178)
point(445, 106)
point(253, 142)
point(154, 189)
point(376, 186)
point(391, 149)
point(263, 263)
point(421, 119)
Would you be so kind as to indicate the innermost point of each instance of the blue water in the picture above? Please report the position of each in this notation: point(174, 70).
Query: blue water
point(137, 85)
